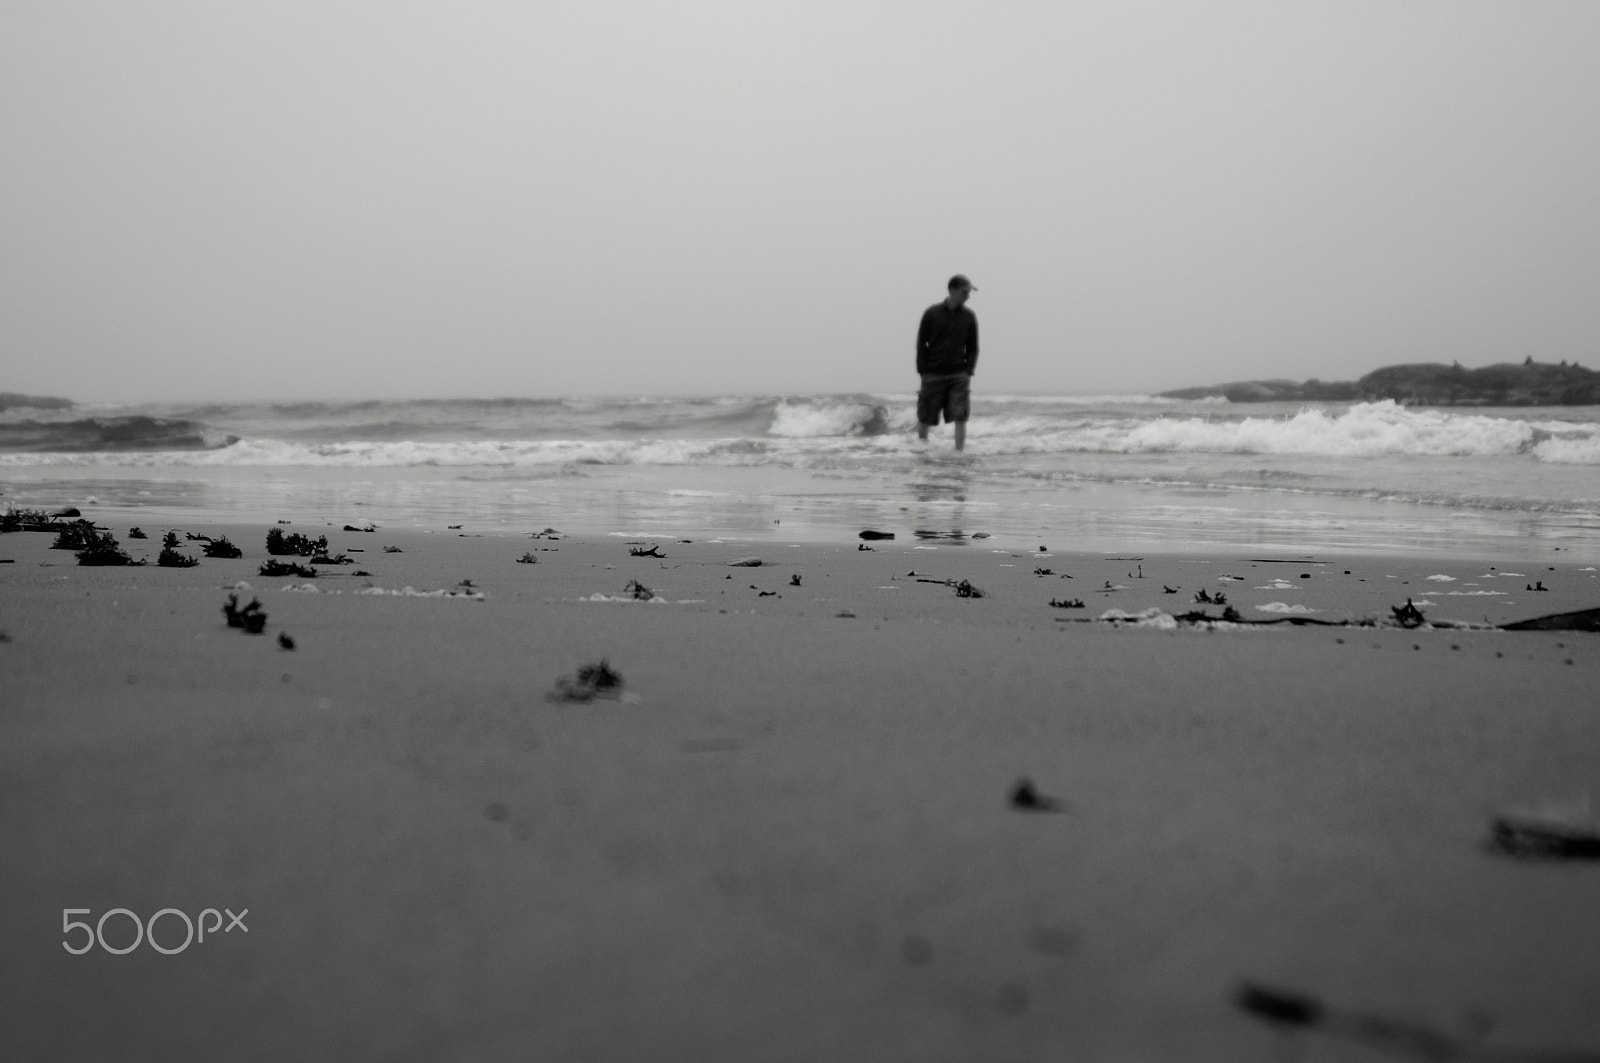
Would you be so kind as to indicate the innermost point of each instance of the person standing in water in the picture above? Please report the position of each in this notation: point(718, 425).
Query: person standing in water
point(947, 356)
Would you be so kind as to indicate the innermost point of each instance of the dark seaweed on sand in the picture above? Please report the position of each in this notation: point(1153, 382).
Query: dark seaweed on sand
point(1407, 615)
point(101, 549)
point(170, 557)
point(250, 617)
point(596, 680)
point(340, 559)
point(1025, 796)
point(294, 543)
point(274, 567)
point(653, 550)
point(527, 559)
point(137, 533)
point(221, 548)
point(77, 535)
point(15, 520)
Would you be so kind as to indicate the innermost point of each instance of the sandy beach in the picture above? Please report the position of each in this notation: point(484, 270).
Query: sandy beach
point(797, 829)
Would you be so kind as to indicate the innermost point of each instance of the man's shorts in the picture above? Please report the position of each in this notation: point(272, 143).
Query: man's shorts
point(950, 395)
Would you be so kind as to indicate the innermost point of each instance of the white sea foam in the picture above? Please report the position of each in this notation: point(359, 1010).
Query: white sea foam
point(1569, 451)
point(1365, 430)
point(1285, 608)
point(808, 419)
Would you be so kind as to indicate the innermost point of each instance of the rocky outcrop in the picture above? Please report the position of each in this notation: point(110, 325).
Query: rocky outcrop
point(1529, 384)
point(9, 399)
point(1427, 384)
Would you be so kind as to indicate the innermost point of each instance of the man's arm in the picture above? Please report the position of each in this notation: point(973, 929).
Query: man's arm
point(972, 348)
point(922, 339)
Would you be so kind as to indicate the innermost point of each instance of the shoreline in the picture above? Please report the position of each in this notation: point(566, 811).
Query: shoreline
point(793, 835)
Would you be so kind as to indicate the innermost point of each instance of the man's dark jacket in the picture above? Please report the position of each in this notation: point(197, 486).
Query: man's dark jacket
point(947, 341)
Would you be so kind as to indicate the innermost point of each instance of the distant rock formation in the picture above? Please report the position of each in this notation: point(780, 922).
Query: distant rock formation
point(1427, 384)
point(8, 399)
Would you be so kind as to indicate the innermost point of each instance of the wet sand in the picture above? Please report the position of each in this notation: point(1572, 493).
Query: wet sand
point(790, 834)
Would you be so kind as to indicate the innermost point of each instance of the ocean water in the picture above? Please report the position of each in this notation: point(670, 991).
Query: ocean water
point(1097, 473)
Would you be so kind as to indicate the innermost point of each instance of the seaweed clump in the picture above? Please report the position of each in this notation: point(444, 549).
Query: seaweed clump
point(170, 557)
point(274, 567)
point(76, 535)
point(294, 543)
point(249, 617)
point(100, 548)
point(14, 520)
point(221, 548)
point(593, 681)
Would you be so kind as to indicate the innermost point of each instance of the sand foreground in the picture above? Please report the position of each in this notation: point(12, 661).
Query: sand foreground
point(792, 835)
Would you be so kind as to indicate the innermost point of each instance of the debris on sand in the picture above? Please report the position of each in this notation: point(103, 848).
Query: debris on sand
point(1293, 1012)
point(295, 543)
point(341, 559)
point(137, 533)
point(653, 550)
point(593, 682)
point(101, 549)
point(170, 557)
point(1582, 620)
point(963, 589)
point(75, 535)
point(1408, 615)
point(1067, 603)
point(527, 559)
point(638, 590)
point(868, 533)
point(221, 547)
point(1026, 797)
point(250, 617)
point(745, 562)
point(1547, 832)
point(794, 581)
point(274, 567)
point(393, 550)
point(284, 641)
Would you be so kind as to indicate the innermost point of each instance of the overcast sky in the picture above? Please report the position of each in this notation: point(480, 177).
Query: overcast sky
point(328, 199)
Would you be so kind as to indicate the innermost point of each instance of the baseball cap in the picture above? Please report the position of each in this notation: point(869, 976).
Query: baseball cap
point(960, 281)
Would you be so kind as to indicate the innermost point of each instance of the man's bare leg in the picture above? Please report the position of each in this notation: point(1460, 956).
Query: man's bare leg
point(922, 431)
point(961, 434)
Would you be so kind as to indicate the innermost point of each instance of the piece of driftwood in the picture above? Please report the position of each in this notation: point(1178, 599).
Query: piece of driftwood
point(1580, 620)
point(1293, 1012)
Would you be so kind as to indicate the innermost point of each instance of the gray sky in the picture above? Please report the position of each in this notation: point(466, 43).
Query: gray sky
point(325, 199)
